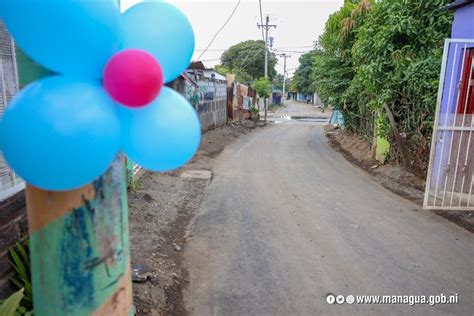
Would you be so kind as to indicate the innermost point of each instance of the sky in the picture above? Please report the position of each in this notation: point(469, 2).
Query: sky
point(299, 24)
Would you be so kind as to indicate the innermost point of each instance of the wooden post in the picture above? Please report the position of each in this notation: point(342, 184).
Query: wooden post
point(79, 248)
point(265, 105)
point(396, 134)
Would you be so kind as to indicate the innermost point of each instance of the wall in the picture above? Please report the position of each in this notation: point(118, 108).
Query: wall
point(241, 99)
point(303, 97)
point(13, 222)
point(212, 105)
point(13, 228)
point(8, 88)
point(213, 114)
point(13, 225)
point(462, 25)
point(208, 96)
point(317, 100)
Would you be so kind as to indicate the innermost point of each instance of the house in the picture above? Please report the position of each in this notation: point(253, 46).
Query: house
point(311, 98)
point(206, 90)
point(450, 179)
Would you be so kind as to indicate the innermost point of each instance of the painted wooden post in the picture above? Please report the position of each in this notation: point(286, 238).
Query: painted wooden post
point(79, 244)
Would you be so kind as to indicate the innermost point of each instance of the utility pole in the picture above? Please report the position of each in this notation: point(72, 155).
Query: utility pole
point(285, 56)
point(79, 248)
point(266, 27)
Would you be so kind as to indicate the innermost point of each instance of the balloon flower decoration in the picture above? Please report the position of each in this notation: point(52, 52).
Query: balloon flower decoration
point(62, 132)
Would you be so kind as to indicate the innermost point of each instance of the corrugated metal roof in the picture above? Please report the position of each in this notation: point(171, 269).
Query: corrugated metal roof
point(197, 65)
point(212, 74)
point(188, 78)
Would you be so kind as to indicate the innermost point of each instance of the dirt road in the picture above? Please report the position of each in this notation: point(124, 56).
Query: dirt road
point(286, 221)
point(161, 207)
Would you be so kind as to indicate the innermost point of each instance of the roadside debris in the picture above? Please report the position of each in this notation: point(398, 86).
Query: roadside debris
point(140, 273)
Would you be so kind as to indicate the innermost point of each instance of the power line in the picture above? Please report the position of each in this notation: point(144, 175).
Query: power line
point(276, 49)
point(292, 51)
point(210, 60)
point(290, 47)
point(261, 18)
point(249, 59)
point(220, 30)
point(211, 50)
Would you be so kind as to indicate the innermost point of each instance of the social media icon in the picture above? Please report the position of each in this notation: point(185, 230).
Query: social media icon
point(340, 299)
point(330, 299)
point(350, 299)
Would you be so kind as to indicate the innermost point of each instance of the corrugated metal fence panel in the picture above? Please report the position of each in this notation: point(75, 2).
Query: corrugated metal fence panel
point(8, 63)
point(9, 183)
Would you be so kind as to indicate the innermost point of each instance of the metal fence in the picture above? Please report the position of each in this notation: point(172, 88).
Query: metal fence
point(450, 180)
point(9, 182)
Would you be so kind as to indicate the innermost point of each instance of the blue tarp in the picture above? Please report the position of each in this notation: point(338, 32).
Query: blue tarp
point(337, 118)
point(276, 99)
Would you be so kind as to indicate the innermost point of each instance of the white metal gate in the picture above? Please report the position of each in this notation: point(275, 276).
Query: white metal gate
point(450, 181)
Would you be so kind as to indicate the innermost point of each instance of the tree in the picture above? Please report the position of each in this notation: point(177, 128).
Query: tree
point(334, 69)
point(332, 61)
point(247, 61)
point(379, 61)
point(278, 82)
point(262, 86)
point(302, 79)
point(398, 52)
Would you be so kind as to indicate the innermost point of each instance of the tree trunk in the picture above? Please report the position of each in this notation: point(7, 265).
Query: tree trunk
point(396, 134)
point(374, 139)
point(79, 248)
point(265, 106)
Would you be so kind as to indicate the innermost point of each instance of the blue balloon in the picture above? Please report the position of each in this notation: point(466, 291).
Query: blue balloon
point(71, 37)
point(60, 133)
point(162, 136)
point(162, 30)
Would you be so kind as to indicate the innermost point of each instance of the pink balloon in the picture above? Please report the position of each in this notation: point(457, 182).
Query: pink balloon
point(133, 78)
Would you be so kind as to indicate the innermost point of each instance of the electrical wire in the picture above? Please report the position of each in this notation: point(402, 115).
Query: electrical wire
point(261, 19)
point(207, 60)
point(211, 50)
point(220, 30)
point(292, 51)
point(292, 47)
point(249, 59)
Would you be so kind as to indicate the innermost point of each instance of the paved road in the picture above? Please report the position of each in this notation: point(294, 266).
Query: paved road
point(286, 220)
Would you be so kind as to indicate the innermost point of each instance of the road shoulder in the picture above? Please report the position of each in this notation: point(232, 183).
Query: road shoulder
point(391, 176)
point(161, 208)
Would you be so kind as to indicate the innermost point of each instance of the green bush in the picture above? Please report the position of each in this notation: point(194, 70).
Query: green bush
point(375, 56)
point(20, 261)
point(10, 306)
